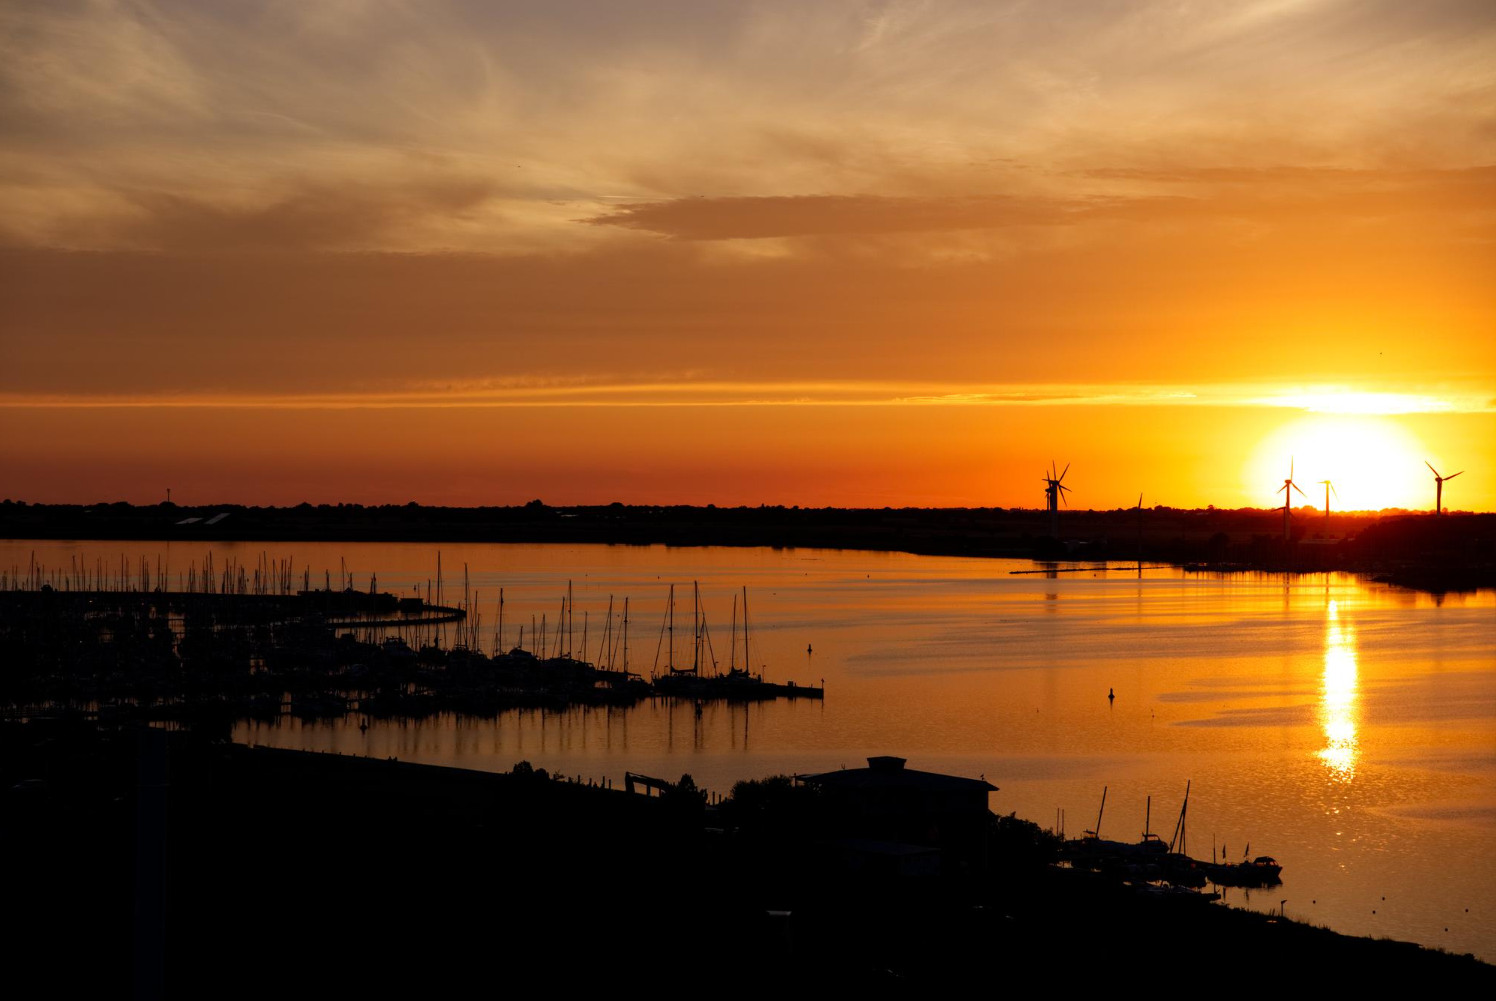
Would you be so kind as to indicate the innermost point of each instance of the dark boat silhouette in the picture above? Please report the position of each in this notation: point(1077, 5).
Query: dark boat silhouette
point(737, 684)
point(1154, 859)
point(1260, 871)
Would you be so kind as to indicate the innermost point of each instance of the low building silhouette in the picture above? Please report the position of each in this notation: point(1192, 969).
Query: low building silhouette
point(884, 809)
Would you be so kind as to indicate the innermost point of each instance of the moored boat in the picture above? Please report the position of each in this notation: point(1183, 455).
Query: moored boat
point(1263, 870)
point(1152, 858)
point(737, 684)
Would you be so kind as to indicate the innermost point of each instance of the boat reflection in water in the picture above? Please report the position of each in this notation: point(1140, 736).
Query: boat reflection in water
point(1338, 698)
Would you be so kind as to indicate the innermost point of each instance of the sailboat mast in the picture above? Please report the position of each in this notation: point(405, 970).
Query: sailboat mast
point(607, 647)
point(1178, 838)
point(747, 661)
point(1183, 816)
point(732, 660)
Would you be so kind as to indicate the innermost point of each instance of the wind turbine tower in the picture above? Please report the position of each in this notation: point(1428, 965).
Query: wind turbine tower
point(1439, 486)
point(1288, 487)
point(1328, 487)
point(1054, 495)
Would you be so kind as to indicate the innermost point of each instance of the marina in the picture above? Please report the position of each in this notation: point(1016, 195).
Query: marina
point(1342, 725)
point(219, 656)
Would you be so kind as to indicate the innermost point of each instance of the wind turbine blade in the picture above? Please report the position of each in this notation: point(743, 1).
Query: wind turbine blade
point(1296, 487)
point(1333, 490)
point(1452, 476)
point(1067, 469)
point(1140, 500)
point(1430, 465)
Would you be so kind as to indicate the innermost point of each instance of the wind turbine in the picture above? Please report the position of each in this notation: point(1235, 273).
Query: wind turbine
point(1328, 487)
point(1054, 494)
point(1288, 486)
point(1439, 486)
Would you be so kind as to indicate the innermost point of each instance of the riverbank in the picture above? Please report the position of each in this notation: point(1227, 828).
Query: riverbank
point(213, 868)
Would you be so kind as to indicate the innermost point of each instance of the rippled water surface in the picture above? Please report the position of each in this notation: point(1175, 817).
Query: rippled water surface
point(1346, 728)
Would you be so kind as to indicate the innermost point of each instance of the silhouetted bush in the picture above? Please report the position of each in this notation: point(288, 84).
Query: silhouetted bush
point(1015, 842)
point(774, 804)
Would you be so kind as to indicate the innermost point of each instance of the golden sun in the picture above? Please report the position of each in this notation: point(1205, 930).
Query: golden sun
point(1372, 462)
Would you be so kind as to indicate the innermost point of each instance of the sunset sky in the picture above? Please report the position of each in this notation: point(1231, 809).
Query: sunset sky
point(787, 253)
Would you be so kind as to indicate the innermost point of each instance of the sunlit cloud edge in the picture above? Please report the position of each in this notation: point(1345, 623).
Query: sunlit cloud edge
point(579, 392)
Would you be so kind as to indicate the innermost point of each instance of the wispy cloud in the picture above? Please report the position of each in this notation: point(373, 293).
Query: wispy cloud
point(822, 215)
point(1295, 197)
point(583, 391)
point(1348, 401)
point(913, 114)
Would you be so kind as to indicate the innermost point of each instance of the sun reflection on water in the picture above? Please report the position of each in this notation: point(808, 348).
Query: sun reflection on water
point(1338, 699)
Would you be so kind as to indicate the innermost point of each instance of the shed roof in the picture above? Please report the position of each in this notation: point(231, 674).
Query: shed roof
point(887, 772)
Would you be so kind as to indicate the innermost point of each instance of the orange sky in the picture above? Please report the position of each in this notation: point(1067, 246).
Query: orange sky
point(840, 253)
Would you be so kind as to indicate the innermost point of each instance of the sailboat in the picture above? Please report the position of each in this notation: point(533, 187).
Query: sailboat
point(1154, 858)
point(615, 674)
point(738, 684)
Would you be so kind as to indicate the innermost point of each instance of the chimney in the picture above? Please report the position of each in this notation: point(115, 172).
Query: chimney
point(885, 763)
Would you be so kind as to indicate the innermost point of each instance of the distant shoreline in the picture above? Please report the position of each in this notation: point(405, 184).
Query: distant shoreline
point(1452, 552)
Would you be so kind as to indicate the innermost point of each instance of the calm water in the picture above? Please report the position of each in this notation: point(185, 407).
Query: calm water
point(1346, 728)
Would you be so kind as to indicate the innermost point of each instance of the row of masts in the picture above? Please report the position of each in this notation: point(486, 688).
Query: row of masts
point(215, 575)
point(265, 576)
point(1177, 842)
point(278, 577)
point(556, 644)
point(702, 653)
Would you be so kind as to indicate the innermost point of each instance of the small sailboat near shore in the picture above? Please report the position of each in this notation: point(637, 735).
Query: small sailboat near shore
point(1151, 858)
point(1263, 870)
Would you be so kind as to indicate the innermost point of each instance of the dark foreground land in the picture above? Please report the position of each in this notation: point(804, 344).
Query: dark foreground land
point(1436, 553)
point(187, 866)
